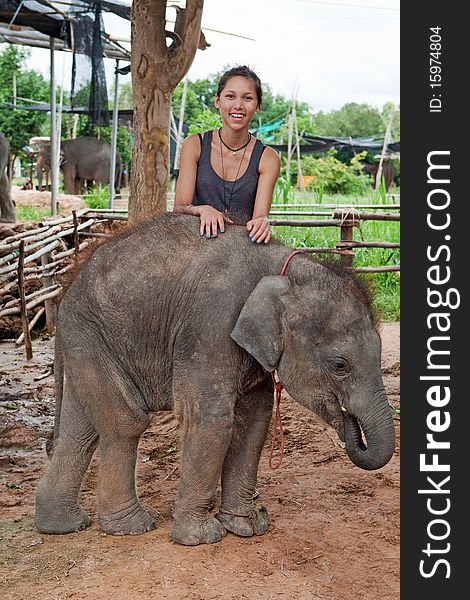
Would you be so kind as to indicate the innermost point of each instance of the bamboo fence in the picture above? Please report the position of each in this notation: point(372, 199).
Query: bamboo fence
point(38, 257)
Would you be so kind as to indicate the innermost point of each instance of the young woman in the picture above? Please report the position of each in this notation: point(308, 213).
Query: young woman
point(227, 175)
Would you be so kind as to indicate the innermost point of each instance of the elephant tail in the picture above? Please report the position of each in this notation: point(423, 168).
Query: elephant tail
point(59, 392)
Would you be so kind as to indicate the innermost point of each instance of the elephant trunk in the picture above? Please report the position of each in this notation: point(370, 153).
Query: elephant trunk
point(370, 438)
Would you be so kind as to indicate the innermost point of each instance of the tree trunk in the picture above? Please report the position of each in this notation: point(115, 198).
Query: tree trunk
point(156, 70)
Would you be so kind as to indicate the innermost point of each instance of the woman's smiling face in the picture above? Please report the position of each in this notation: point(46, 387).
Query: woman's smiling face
point(237, 102)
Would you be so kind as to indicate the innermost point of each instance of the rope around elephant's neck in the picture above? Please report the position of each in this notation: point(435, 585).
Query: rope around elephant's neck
point(278, 387)
point(291, 255)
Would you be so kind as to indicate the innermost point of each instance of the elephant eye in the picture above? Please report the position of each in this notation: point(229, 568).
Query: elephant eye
point(341, 366)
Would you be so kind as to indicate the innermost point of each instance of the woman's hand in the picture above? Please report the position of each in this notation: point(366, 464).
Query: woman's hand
point(259, 229)
point(212, 220)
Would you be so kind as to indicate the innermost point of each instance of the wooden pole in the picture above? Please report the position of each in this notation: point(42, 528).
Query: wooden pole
point(48, 304)
point(114, 130)
point(180, 124)
point(24, 314)
point(75, 126)
point(289, 144)
point(34, 320)
point(14, 88)
point(387, 138)
point(76, 244)
point(347, 236)
point(300, 180)
point(54, 153)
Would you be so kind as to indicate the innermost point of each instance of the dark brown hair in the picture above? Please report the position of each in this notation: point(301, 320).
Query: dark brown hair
point(241, 71)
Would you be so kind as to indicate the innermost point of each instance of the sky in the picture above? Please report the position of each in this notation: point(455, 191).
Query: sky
point(327, 52)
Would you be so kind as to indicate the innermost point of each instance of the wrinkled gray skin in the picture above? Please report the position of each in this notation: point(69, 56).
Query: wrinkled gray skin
point(163, 318)
point(7, 208)
point(82, 159)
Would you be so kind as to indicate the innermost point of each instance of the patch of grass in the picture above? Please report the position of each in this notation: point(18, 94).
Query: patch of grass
point(97, 197)
point(27, 212)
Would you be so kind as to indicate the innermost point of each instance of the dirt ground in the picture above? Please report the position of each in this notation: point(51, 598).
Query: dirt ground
point(334, 531)
point(66, 202)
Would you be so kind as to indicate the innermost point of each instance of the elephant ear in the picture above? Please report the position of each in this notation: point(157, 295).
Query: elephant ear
point(259, 328)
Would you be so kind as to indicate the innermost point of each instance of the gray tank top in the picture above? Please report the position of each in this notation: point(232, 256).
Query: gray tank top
point(239, 198)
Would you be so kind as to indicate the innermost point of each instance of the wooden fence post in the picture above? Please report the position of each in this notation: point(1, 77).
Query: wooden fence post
point(348, 218)
point(24, 314)
point(347, 236)
point(76, 244)
point(49, 304)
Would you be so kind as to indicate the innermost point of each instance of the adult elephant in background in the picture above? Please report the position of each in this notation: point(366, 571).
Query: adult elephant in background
point(82, 159)
point(388, 172)
point(43, 164)
point(7, 208)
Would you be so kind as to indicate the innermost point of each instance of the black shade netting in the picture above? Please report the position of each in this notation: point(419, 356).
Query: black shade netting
point(88, 88)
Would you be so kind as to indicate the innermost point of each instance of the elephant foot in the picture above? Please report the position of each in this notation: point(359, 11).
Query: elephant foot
point(255, 524)
point(131, 520)
point(62, 520)
point(192, 533)
point(236, 524)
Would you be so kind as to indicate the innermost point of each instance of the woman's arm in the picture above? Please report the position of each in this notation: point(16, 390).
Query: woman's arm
point(186, 184)
point(269, 167)
point(211, 220)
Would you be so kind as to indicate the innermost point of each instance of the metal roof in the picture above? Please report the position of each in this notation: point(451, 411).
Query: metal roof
point(33, 22)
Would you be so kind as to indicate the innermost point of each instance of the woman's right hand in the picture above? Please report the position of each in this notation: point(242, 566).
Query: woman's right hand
point(211, 220)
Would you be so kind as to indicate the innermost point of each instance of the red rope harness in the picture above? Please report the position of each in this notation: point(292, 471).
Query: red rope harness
point(277, 424)
point(278, 387)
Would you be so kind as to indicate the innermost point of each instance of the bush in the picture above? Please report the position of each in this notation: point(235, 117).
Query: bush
point(334, 177)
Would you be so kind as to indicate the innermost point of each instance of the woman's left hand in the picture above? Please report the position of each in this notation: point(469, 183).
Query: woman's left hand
point(259, 229)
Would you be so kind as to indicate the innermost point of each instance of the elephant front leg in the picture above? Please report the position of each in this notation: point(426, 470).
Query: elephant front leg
point(206, 435)
point(238, 513)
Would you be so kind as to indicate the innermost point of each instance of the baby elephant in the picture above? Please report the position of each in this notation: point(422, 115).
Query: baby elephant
point(160, 317)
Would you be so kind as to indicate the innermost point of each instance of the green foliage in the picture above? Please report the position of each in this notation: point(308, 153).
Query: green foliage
point(97, 197)
point(81, 97)
point(380, 195)
point(25, 212)
point(124, 95)
point(354, 120)
point(206, 121)
point(20, 125)
point(331, 175)
point(283, 191)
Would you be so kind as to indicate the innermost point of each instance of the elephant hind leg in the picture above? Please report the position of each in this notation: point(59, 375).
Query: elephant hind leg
point(120, 426)
point(57, 507)
point(120, 512)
